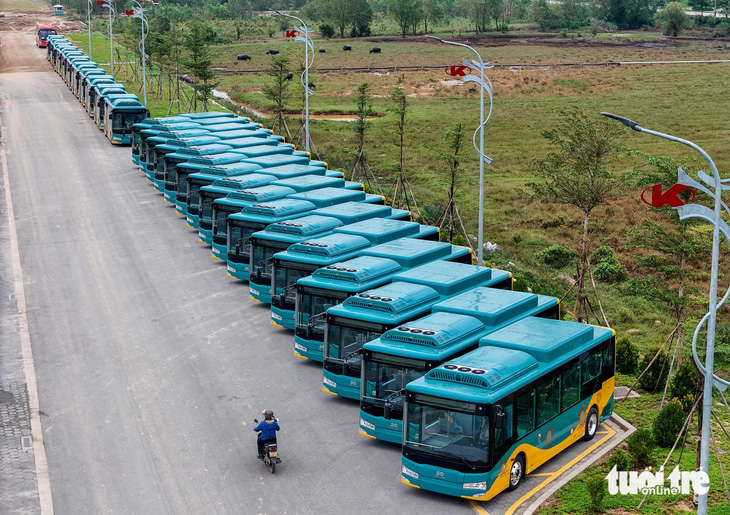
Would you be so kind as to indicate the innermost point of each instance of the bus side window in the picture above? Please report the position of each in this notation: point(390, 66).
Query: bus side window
point(608, 358)
point(525, 413)
point(571, 386)
point(548, 399)
point(592, 366)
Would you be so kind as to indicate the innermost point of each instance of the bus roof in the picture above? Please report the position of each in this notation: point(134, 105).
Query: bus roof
point(278, 160)
point(493, 306)
point(281, 208)
point(326, 197)
point(379, 231)
point(123, 102)
point(230, 169)
point(160, 137)
point(353, 212)
point(414, 290)
point(249, 133)
point(210, 160)
point(189, 141)
point(301, 227)
point(326, 248)
point(186, 152)
point(207, 115)
point(224, 119)
point(98, 78)
point(236, 182)
point(258, 194)
point(514, 356)
point(433, 337)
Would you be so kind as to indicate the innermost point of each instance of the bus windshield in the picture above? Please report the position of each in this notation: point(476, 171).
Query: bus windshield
point(262, 250)
point(345, 336)
point(122, 121)
point(385, 376)
point(448, 433)
point(240, 239)
point(286, 274)
point(313, 303)
point(44, 33)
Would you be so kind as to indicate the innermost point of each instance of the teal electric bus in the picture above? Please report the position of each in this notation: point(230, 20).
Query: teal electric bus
point(366, 316)
point(201, 197)
point(101, 105)
point(183, 154)
point(259, 216)
point(302, 260)
point(154, 165)
point(280, 236)
point(478, 424)
point(71, 62)
point(373, 267)
point(92, 84)
point(120, 113)
point(149, 139)
point(176, 183)
point(454, 327)
point(83, 72)
point(235, 201)
point(103, 87)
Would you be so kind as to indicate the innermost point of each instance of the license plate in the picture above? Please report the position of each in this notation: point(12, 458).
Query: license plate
point(272, 453)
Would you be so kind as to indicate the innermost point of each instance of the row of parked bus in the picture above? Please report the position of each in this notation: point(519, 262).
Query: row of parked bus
point(106, 101)
point(477, 383)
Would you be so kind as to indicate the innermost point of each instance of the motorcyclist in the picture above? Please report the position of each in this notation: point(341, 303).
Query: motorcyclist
point(267, 431)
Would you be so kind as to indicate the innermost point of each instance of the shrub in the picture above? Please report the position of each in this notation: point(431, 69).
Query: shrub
point(601, 254)
point(606, 266)
point(326, 30)
point(556, 256)
point(620, 460)
point(640, 445)
point(684, 382)
point(596, 486)
point(627, 356)
point(668, 424)
point(657, 373)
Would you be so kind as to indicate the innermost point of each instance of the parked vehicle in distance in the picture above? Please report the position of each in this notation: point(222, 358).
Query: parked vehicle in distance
point(42, 31)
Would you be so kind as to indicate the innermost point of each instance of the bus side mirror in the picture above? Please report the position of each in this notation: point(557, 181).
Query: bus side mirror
point(387, 411)
point(499, 420)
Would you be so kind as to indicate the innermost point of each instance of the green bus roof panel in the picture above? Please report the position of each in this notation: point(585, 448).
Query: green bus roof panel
point(278, 160)
point(208, 115)
point(437, 331)
point(329, 246)
point(379, 231)
point(491, 305)
point(409, 252)
point(447, 277)
point(277, 208)
point(393, 299)
point(359, 269)
point(304, 226)
point(259, 194)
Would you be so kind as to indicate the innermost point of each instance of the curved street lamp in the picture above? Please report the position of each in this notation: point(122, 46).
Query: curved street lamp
point(485, 85)
point(139, 13)
point(308, 45)
point(714, 217)
point(88, 23)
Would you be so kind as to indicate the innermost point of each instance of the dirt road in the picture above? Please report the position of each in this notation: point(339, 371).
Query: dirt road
point(19, 53)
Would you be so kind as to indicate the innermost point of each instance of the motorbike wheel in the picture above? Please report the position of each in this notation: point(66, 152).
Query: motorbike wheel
point(272, 464)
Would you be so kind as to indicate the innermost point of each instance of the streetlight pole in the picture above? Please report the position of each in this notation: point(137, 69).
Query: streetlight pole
point(108, 5)
point(719, 226)
point(139, 13)
point(486, 85)
point(88, 22)
point(308, 45)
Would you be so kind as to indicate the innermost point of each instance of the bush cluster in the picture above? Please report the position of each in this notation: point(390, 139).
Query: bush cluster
point(668, 423)
point(607, 267)
point(555, 256)
point(641, 446)
point(596, 486)
point(627, 356)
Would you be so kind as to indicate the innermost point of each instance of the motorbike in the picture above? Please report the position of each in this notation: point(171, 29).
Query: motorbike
point(271, 454)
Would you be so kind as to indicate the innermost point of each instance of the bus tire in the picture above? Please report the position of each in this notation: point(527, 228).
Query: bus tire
point(591, 424)
point(516, 472)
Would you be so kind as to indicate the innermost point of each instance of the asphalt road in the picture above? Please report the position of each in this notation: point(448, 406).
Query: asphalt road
point(151, 363)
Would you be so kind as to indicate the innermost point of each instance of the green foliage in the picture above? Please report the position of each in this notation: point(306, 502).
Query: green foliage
point(196, 41)
point(625, 14)
point(657, 374)
point(405, 13)
point(556, 256)
point(684, 382)
point(668, 423)
point(722, 346)
point(596, 485)
point(620, 460)
point(627, 356)
point(641, 444)
point(606, 266)
point(673, 19)
point(326, 30)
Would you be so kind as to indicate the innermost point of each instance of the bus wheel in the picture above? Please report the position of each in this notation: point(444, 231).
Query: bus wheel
point(516, 473)
point(591, 424)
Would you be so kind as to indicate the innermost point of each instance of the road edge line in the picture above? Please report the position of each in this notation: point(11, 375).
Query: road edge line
point(39, 450)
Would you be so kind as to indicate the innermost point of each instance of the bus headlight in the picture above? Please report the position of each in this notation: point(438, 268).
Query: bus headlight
point(409, 472)
point(475, 486)
point(367, 425)
point(329, 382)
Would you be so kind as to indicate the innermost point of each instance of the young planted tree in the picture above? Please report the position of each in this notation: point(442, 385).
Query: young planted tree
point(577, 173)
point(401, 191)
point(199, 61)
point(455, 136)
point(361, 171)
point(277, 91)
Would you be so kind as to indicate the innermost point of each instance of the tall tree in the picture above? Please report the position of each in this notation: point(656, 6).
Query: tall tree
point(577, 173)
point(403, 12)
point(401, 191)
point(361, 169)
point(199, 60)
point(343, 13)
point(433, 11)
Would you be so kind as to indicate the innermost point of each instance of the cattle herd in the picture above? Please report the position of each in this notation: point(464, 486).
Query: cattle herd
point(273, 51)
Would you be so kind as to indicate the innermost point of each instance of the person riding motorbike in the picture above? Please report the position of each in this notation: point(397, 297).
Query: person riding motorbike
point(267, 431)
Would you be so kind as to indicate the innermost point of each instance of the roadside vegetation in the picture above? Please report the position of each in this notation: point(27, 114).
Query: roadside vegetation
point(634, 267)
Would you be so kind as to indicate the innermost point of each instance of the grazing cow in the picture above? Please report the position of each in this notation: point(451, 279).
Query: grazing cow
point(243, 57)
point(272, 52)
point(375, 50)
point(289, 76)
point(346, 47)
point(322, 51)
point(312, 85)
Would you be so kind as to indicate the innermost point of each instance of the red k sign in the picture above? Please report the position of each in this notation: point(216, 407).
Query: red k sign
point(129, 12)
point(671, 196)
point(458, 71)
point(291, 33)
point(99, 2)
